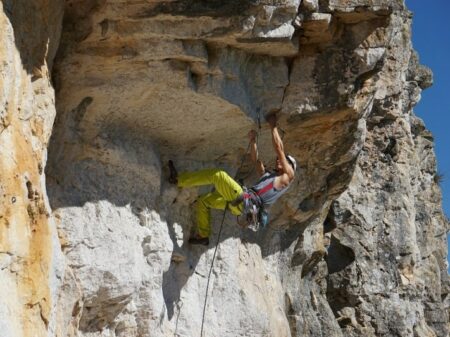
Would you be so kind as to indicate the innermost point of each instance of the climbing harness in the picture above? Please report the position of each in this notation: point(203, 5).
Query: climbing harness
point(254, 215)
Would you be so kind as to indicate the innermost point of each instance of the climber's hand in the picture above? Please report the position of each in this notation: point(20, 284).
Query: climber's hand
point(252, 135)
point(272, 120)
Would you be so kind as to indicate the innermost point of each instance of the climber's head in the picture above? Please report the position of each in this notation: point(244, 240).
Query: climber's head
point(291, 160)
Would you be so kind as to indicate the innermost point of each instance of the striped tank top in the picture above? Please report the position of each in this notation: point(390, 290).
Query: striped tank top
point(265, 188)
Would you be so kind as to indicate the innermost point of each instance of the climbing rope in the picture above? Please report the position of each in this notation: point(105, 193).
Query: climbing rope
point(211, 268)
point(223, 221)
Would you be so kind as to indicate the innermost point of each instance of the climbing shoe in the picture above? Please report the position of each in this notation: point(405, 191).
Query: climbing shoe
point(173, 177)
point(198, 240)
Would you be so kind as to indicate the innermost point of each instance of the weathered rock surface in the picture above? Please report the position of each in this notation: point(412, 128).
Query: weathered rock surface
point(30, 254)
point(356, 248)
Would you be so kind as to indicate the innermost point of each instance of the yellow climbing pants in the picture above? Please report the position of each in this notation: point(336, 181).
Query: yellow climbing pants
point(227, 190)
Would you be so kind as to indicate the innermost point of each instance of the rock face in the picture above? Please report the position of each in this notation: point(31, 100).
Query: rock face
point(96, 244)
point(30, 254)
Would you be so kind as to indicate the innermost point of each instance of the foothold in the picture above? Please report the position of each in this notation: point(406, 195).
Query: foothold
point(104, 26)
point(30, 190)
point(13, 200)
point(80, 110)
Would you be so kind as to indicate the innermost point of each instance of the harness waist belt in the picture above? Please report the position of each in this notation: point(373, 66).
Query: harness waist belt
point(256, 195)
point(265, 189)
point(250, 194)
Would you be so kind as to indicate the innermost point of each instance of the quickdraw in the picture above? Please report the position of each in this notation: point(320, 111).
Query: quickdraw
point(254, 215)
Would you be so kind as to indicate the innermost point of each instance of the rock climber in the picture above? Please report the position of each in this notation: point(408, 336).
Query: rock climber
point(228, 193)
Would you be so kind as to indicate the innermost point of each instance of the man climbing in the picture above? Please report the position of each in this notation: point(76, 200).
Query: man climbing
point(228, 193)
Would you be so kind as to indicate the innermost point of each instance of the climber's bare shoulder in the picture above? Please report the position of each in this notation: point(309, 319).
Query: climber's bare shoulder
point(282, 181)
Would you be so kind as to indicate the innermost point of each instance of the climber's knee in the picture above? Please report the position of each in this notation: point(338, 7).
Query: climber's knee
point(218, 173)
point(220, 176)
point(222, 173)
point(226, 186)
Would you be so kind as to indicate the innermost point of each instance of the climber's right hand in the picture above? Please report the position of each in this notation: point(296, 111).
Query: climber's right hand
point(272, 120)
point(252, 135)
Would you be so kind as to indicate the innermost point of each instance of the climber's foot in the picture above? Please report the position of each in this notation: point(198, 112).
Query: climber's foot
point(173, 177)
point(199, 240)
point(178, 257)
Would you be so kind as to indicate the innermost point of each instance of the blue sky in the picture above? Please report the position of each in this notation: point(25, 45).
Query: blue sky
point(431, 38)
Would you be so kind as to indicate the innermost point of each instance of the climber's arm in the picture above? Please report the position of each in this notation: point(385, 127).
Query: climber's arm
point(279, 148)
point(254, 153)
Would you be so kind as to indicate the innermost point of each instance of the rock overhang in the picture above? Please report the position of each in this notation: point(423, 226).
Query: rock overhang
point(162, 74)
point(136, 90)
point(145, 65)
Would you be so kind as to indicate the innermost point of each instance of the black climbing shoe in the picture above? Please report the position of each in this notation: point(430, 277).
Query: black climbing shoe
point(198, 240)
point(173, 178)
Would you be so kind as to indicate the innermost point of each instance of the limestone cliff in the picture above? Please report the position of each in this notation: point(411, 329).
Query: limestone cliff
point(94, 239)
point(29, 247)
